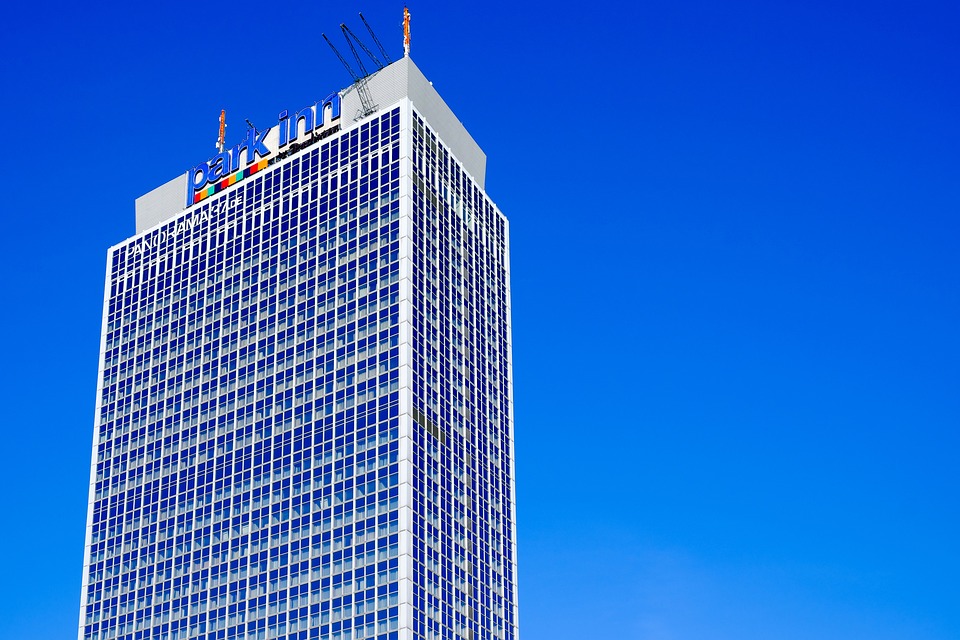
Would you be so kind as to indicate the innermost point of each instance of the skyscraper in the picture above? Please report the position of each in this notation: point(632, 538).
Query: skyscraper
point(304, 415)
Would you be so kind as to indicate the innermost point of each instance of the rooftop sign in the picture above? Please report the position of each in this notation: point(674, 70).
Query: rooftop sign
point(250, 156)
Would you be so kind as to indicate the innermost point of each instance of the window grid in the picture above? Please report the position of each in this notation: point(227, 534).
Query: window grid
point(245, 479)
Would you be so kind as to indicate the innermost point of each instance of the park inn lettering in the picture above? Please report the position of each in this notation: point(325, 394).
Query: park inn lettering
point(232, 165)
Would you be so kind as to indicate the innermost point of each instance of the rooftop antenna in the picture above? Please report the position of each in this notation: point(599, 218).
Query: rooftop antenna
point(360, 82)
point(383, 51)
point(223, 130)
point(250, 125)
point(406, 32)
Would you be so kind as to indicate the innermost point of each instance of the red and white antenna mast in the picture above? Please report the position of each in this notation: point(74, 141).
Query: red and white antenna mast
point(406, 32)
point(223, 130)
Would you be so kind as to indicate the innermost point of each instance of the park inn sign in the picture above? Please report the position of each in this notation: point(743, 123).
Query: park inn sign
point(234, 164)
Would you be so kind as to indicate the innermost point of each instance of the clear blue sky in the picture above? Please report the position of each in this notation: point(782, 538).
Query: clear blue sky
point(735, 285)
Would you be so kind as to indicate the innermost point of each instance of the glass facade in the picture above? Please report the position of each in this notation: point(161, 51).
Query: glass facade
point(463, 516)
point(304, 421)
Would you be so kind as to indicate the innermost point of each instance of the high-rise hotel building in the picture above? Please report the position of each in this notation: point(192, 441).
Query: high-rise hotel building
point(304, 423)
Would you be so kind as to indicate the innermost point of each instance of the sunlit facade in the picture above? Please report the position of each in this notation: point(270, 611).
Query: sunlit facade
point(304, 416)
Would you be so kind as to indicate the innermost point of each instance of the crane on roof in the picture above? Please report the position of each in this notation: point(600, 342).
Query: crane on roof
point(359, 81)
point(376, 40)
point(360, 77)
point(350, 34)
